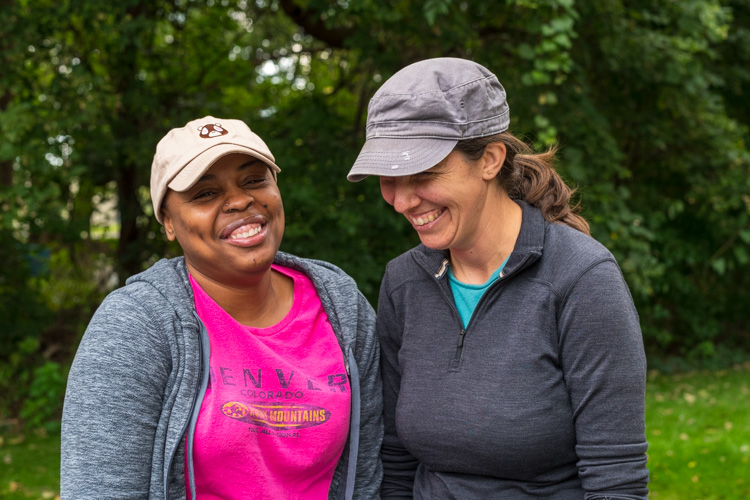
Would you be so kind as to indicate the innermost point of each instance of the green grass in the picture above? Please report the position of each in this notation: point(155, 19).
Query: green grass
point(698, 428)
point(30, 466)
point(697, 423)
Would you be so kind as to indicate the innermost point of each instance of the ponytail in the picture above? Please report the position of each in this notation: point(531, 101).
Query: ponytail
point(530, 177)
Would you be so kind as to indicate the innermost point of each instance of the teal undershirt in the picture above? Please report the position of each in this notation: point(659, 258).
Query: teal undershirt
point(467, 296)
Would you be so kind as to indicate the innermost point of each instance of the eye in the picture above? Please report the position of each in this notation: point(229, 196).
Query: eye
point(254, 181)
point(421, 176)
point(387, 182)
point(203, 195)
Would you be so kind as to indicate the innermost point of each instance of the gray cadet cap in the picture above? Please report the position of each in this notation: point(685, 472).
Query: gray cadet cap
point(418, 116)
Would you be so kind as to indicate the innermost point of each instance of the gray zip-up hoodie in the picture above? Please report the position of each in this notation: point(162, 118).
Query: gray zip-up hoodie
point(138, 378)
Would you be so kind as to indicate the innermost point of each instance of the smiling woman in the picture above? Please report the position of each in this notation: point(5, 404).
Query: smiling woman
point(512, 358)
point(230, 224)
point(235, 371)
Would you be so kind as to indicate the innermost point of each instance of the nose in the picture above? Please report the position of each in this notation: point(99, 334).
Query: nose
point(399, 192)
point(237, 200)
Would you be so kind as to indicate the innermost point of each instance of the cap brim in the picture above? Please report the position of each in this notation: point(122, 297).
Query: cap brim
point(189, 175)
point(394, 157)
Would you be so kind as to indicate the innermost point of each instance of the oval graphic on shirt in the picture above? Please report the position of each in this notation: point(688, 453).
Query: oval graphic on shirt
point(281, 416)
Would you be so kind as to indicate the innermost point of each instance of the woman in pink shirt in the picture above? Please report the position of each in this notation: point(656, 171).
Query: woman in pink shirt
point(236, 371)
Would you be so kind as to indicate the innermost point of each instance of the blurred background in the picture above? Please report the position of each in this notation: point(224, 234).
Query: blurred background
point(649, 101)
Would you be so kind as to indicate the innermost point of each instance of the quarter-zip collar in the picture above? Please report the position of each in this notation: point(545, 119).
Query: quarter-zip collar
point(527, 250)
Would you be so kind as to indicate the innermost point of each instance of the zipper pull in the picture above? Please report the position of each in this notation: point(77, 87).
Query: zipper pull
point(459, 347)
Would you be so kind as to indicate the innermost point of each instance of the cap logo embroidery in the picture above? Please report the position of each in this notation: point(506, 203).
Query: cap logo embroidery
point(394, 167)
point(212, 130)
point(405, 154)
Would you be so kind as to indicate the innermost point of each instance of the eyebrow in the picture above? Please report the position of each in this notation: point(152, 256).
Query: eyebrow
point(248, 164)
point(437, 168)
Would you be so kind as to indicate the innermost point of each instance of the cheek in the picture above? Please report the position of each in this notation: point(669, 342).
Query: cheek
point(388, 191)
point(275, 201)
point(184, 231)
point(279, 213)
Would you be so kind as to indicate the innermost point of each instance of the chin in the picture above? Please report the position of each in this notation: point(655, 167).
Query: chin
point(434, 245)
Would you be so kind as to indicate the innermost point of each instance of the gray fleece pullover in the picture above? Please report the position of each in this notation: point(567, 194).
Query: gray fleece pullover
point(140, 372)
point(541, 396)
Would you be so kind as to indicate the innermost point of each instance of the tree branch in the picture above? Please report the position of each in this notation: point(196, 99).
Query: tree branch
point(310, 21)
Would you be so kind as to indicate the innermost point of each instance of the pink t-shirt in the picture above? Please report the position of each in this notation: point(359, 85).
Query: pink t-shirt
point(275, 417)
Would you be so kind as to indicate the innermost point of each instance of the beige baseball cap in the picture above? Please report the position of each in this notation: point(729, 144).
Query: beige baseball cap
point(186, 153)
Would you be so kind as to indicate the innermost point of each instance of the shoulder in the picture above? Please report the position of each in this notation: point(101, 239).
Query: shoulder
point(319, 271)
point(336, 289)
point(576, 249)
point(154, 296)
point(569, 255)
point(144, 319)
point(167, 277)
point(350, 314)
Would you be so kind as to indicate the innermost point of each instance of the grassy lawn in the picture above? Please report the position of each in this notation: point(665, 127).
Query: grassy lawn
point(30, 466)
point(698, 427)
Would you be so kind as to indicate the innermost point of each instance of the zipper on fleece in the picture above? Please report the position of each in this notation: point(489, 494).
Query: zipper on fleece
point(204, 348)
point(354, 426)
point(462, 334)
point(464, 331)
point(460, 346)
point(451, 303)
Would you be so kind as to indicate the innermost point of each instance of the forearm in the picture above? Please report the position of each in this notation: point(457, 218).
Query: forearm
point(605, 371)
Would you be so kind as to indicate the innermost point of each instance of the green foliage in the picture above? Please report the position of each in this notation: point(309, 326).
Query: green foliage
point(24, 316)
point(57, 295)
point(647, 99)
point(434, 8)
point(690, 181)
point(46, 390)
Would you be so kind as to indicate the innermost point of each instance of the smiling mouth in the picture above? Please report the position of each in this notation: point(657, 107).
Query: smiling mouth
point(426, 219)
point(246, 231)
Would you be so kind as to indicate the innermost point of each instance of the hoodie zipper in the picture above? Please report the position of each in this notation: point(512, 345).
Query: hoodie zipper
point(203, 366)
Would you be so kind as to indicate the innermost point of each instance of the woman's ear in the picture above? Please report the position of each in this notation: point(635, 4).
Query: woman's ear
point(168, 224)
point(492, 160)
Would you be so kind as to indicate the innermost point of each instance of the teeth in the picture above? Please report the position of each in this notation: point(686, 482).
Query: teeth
point(244, 232)
point(421, 221)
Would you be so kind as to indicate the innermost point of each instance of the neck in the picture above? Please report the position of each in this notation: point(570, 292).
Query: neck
point(260, 303)
point(496, 237)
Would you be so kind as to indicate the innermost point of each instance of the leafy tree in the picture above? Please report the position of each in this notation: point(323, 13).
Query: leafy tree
point(647, 99)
